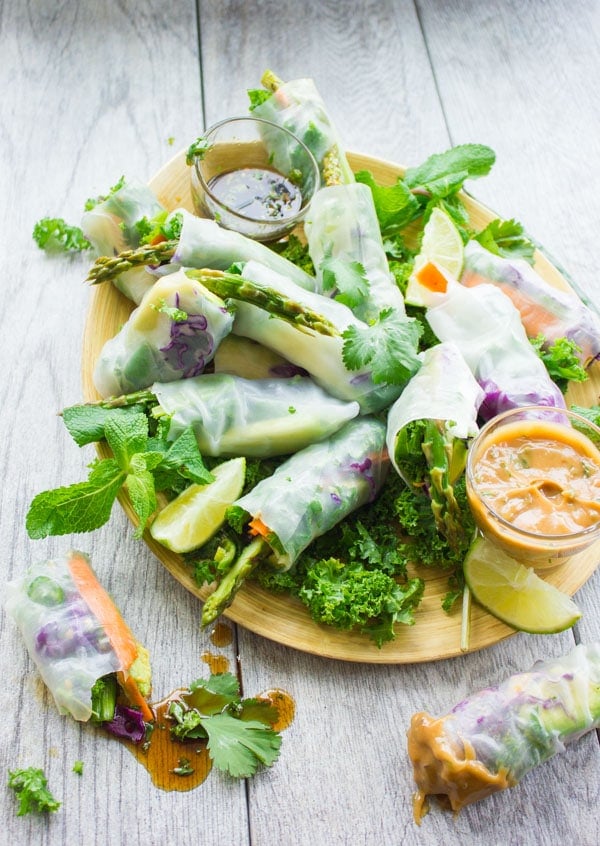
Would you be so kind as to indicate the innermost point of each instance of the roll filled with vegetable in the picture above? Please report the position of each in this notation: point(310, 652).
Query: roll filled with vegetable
point(428, 430)
point(110, 226)
point(298, 107)
point(172, 334)
point(489, 741)
point(346, 247)
point(257, 418)
point(87, 656)
point(323, 355)
point(544, 309)
point(487, 329)
point(201, 243)
point(304, 498)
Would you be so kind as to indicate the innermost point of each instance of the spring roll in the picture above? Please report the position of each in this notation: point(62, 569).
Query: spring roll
point(257, 418)
point(76, 637)
point(304, 498)
point(320, 355)
point(110, 227)
point(172, 334)
point(298, 106)
point(544, 310)
point(342, 224)
point(486, 327)
point(428, 430)
point(488, 742)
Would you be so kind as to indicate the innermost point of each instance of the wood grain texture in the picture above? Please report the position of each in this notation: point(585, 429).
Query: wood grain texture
point(91, 91)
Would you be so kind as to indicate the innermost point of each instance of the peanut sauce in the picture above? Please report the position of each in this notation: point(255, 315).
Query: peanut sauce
point(439, 770)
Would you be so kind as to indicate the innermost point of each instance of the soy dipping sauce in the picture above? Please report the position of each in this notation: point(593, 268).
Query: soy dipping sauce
point(257, 193)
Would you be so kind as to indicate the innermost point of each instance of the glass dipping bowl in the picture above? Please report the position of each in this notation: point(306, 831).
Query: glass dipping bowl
point(533, 484)
point(254, 177)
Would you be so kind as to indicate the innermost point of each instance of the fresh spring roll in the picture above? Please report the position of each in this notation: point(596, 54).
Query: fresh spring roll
point(491, 740)
point(298, 106)
point(544, 310)
point(304, 498)
point(203, 243)
point(257, 418)
point(428, 430)
point(172, 334)
point(487, 329)
point(320, 355)
point(87, 656)
point(110, 227)
point(342, 224)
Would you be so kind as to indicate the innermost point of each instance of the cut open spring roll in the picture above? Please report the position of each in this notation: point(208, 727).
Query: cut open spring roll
point(490, 740)
point(80, 644)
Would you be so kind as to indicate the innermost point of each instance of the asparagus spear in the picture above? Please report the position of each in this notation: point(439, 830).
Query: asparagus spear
point(107, 268)
point(233, 579)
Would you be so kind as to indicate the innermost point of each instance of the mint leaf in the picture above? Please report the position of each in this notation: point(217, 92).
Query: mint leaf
point(388, 347)
point(347, 279)
point(444, 173)
point(85, 423)
point(140, 487)
point(82, 507)
point(239, 746)
point(184, 459)
point(126, 435)
point(395, 205)
point(507, 238)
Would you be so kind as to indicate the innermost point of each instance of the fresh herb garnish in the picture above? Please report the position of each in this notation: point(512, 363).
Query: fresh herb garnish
point(506, 238)
point(388, 347)
point(561, 359)
point(347, 280)
point(55, 235)
point(31, 788)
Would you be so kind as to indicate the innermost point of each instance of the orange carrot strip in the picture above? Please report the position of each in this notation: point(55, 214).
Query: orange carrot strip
point(257, 527)
point(118, 632)
point(431, 277)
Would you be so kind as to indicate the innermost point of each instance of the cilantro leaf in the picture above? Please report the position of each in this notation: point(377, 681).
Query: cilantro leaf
point(388, 347)
point(31, 788)
point(222, 684)
point(257, 97)
point(239, 746)
point(506, 238)
point(347, 279)
point(395, 205)
point(55, 235)
point(81, 507)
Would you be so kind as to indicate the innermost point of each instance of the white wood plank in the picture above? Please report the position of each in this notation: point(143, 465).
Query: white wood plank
point(90, 92)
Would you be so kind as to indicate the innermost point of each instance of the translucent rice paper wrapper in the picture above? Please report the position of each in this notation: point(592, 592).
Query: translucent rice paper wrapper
point(256, 418)
point(490, 740)
point(65, 640)
point(443, 389)
point(317, 487)
point(487, 329)
point(154, 346)
point(110, 227)
point(320, 355)
point(342, 223)
point(203, 243)
point(544, 309)
point(298, 106)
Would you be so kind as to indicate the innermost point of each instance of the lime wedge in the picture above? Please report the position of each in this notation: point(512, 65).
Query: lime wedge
point(441, 244)
point(514, 593)
point(192, 518)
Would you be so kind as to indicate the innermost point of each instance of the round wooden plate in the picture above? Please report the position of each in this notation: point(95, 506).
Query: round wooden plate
point(435, 635)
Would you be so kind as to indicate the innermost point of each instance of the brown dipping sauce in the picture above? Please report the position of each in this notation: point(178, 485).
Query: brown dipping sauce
point(441, 771)
point(257, 193)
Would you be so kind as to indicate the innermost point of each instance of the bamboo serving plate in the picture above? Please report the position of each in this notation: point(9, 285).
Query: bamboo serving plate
point(436, 635)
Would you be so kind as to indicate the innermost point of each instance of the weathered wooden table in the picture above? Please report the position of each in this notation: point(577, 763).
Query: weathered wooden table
point(91, 91)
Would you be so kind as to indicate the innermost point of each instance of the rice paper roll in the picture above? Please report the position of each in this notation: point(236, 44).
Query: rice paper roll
point(342, 224)
point(486, 327)
point(203, 243)
point(320, 355)
point(110, 227)
point(173, 334)
point(490, 740)
point(297, 106)
point(318, 486)
point(66, 640)
point(544, 309)
point(257, 418)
